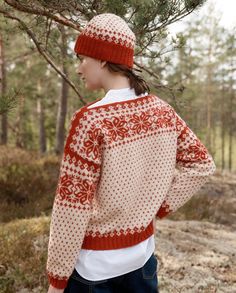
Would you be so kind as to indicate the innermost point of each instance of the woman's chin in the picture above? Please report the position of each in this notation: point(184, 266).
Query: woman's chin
point(91, 87)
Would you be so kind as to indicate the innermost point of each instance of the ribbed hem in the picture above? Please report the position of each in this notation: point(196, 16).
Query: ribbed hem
point(57, 283)
point(116, 242)
point(104, 50)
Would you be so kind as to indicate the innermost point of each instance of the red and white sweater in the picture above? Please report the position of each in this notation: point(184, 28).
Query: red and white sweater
point(123, 164)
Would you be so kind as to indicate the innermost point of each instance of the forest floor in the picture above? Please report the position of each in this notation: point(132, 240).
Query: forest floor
point(195, 247)
point(195, 256)
point(200, 256)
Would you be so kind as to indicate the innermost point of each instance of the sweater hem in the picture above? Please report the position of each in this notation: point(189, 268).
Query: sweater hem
point(116, 242)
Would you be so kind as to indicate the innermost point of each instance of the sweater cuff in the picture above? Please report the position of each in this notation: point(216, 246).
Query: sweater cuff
point(164, 210)
point(58, 283)
point(161, 213)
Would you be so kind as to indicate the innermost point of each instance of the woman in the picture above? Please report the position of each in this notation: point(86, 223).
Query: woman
point(128, 159)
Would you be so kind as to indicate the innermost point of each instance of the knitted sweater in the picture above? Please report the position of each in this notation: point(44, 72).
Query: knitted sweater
point(97, 265)
point(123, 164)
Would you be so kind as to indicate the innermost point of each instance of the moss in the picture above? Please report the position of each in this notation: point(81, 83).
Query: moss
point(23, 254)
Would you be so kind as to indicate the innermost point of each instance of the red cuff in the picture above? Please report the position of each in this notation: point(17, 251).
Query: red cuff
point(58, 283)
point(163, 211)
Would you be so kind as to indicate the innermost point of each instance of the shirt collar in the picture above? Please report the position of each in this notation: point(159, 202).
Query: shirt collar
point(122, 94)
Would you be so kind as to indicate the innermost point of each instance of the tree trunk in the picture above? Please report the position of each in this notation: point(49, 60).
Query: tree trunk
point(62, 107)
point(18, 123)
point(222, 115)
point(209, 93)
point(40, 111)
point(208, 97)
point(3, 86)
point(231, 128)
point(230, 147)
point(42, 133)
point(42, 136)
point(231, 105)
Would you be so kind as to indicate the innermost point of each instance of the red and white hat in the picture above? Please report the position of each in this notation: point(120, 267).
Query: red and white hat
point(107, 37)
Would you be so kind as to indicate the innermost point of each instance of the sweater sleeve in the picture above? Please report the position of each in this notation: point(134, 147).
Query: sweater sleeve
point(73, 203)
point(194, 164)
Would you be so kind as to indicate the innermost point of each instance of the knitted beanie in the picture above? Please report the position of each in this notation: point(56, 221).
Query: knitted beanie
point(107, 37)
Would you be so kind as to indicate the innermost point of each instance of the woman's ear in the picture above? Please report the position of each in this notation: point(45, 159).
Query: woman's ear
point(103, 63)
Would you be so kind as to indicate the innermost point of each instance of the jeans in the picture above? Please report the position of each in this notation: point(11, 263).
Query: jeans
point(142, 280)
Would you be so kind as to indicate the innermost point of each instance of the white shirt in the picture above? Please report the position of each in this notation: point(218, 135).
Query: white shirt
point(98, 265)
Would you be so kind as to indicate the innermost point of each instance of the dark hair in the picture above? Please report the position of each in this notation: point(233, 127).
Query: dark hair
point(136, 82)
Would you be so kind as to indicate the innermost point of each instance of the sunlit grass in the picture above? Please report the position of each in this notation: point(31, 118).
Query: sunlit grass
point(23, 252)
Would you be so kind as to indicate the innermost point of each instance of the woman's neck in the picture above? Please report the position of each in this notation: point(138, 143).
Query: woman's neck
point(116, 82)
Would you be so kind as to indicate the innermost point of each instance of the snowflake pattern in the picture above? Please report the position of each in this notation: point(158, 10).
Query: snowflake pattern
point(92, 144)
point(116, 128)
point(141, 123)
point(194, 151)
point(75, 190)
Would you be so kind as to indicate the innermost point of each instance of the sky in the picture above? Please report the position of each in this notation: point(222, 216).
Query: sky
point(228, 8)
point(225, 8)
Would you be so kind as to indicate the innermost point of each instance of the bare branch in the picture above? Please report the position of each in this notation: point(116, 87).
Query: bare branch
point(159, 86)
point(176, 18)
point(48, 30)
point(171, 92)
point(43, 52)
point(147, 44)
point(39, 11)
point(147, 70)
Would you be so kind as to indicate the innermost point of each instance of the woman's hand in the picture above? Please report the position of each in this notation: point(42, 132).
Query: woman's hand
point(52, 289)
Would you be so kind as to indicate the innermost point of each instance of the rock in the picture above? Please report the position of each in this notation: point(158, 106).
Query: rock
point(195, 257)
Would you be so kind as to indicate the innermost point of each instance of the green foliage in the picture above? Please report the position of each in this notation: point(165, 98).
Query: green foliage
point(181, 63)
point(205, 70)
point(116, 7)
point(179, 41)
point(28, 71)
point(192, 4)
point(8, 103)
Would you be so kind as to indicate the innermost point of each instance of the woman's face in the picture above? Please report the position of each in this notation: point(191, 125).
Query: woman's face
point(90, 70)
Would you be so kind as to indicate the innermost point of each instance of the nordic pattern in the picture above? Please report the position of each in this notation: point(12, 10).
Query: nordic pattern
point(124, 163)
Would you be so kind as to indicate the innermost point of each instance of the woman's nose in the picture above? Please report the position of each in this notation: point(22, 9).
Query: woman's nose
point(78, 70)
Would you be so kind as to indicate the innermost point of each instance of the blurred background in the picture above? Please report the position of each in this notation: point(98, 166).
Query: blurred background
point(186, 50)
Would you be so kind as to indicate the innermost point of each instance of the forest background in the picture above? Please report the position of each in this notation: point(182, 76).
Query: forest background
point(192, 69)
